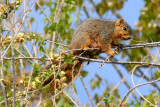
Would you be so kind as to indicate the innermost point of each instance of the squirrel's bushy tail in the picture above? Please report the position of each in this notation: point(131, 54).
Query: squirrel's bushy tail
point(67, 71)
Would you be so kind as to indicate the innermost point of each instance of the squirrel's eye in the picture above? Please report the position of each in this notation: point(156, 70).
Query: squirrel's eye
point(125, 28)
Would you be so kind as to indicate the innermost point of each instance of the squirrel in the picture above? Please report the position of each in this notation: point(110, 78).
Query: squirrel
point(92, 33)
point(99, 33)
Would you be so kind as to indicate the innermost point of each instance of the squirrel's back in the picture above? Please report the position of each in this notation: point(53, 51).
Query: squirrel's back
point(94, 25)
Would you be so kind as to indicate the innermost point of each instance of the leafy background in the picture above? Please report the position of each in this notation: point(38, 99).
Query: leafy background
point(47, 21)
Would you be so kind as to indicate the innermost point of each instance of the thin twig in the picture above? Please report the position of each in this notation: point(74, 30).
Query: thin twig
point(86, 91)
point(139, 81)
point(43, 12)
point(140, 93)
point(70, 98)
point(2, 65)
point(125, 82)
point(141, 73)
point(95, 7)
point(86, 12)
point(76, 96)
point(65, 4)
point(39, 102)
point(4, 95)
point(57, 19)
point(22, 55)
point(57, 43)
point(29, 82)
point(118, 85)
point(54, 102)
point(117, 14)
point(107, 59)
point(12, 61)
point(146, 78)
point(27, 49)
point(126, 47)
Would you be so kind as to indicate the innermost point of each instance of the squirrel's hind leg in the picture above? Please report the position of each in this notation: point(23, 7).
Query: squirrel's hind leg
point(80, 41)
point(87, 43)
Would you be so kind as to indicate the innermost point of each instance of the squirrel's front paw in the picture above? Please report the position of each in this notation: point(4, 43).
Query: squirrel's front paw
point(85, 47)
point(111, 53)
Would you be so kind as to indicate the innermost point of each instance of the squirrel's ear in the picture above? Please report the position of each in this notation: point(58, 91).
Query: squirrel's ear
point(119, 22)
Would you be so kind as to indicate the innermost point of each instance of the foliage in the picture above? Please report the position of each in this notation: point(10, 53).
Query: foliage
point(41, 56)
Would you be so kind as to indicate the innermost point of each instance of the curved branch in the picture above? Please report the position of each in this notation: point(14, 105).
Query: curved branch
point(135, 88)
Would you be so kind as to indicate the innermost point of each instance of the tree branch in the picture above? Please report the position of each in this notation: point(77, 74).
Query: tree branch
point(135, 88)
point(86, 91)
point(120, 62)
point(125, 82)
point(126, 47)
point(4, 95)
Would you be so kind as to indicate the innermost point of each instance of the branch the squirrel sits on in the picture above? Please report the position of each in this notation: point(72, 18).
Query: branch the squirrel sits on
point(92, 33)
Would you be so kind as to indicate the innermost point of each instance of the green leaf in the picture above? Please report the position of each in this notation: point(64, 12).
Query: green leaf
point(70, 62)
point(84, 73)
point(36, 68)
point(157, 74)
point(111, 98)
point(95, 84)
point(106, 101)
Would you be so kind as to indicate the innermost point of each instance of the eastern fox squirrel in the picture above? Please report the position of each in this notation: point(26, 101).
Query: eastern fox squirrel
point(92, 33)
point(99, 33)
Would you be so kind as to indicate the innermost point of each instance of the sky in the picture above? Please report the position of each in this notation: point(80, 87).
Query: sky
point(130, 13)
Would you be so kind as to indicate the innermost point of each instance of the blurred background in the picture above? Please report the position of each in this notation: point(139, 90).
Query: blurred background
point(108, 85)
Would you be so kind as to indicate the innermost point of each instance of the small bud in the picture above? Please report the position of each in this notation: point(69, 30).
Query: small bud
point(62, 73)
point(110, 4)
point(21, 81)
point(155, 25)
point(149, 24)
point(158, 15)
point(37, 80)
point(63, 79)
point(57, 80)
point(64, 85)
point(56, 90)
